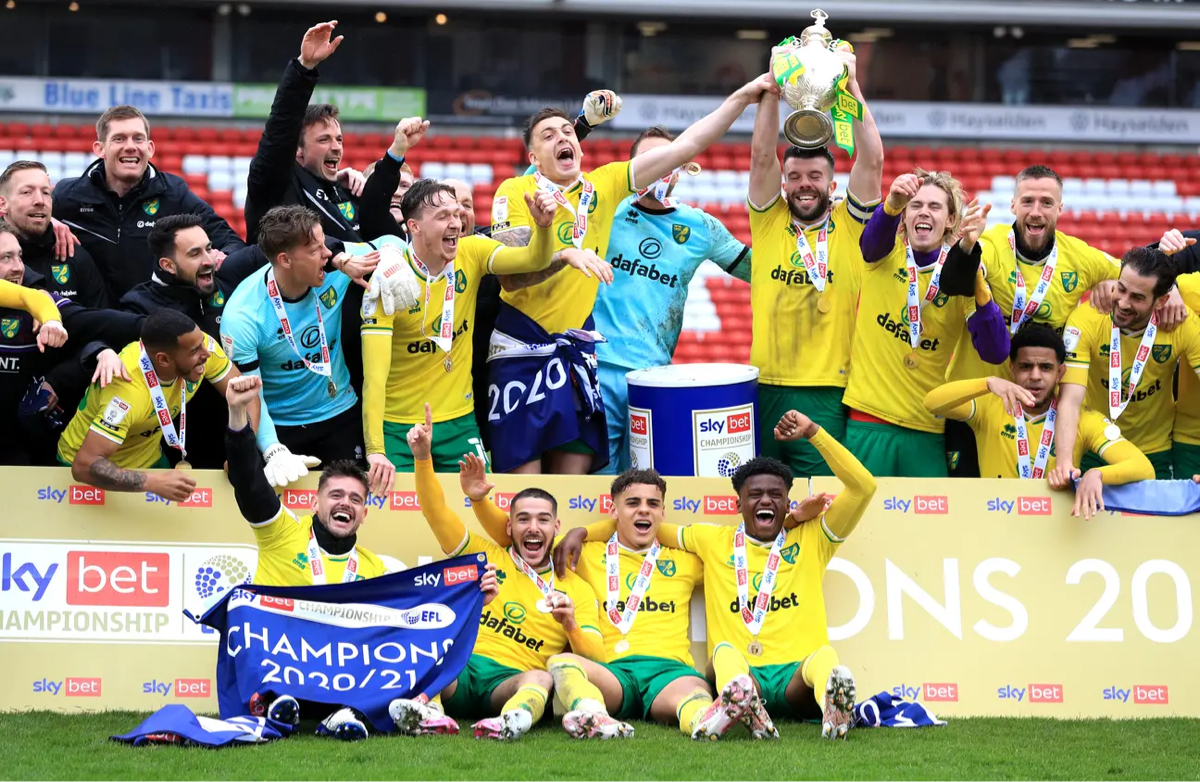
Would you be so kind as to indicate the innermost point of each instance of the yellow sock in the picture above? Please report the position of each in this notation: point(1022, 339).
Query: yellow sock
point(690, 710)
point(531, 697)
point(436, 702)
point(816, 669)
point(573, 686)
point(728, 662)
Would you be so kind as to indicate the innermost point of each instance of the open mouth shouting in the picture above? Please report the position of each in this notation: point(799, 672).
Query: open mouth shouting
point(206, 278)
point(129, 162)
point(342, 519)
point(534, 546)
point(923, 230)
point(643, 525)
point(1035, 233)
point(450, 245)
point(565, 155)
point(330, 165)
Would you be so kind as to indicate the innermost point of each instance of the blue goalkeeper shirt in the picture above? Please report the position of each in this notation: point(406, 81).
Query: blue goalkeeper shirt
point(654, 254)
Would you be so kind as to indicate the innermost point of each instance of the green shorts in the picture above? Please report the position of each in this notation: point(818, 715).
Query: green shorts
point(451, 440)
point(823, 404)
point(1163, 461)
point(1187, 460)
point(575, 446)
point(888, 450)
point(642, 678)
point(773, 681)
point(472, 699)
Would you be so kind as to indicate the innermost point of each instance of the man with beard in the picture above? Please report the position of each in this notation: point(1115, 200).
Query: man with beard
point(541, 615)
point(560, 428)
point(114, 205)
point(1123, 364)
point(26, 201)
point(907, 326)
point(805, 285)
point(1014, 421)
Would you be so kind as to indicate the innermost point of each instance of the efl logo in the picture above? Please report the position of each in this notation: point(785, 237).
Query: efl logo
point(299, 499)
point(1045, 693)
point(720, 506)
point(638, 424)
point(739, 423)
point(83, 688)
point(404, 500)
point(280, 603)
point(938, 504)
point(85, 495)
point(201, 498)
point(503, 500)
point(112, 578)
point(193, 688)
point(460, 575)
point(940, 692)
point(1033, 506)
point(1154, 694)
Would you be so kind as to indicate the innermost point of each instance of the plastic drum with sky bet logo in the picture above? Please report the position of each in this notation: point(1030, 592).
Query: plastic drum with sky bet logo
point(693, 419)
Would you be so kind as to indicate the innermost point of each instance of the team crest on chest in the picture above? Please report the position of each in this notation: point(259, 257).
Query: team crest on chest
point(680, 233)
point(61, 272)
point(460, 281)
point(329, 298)
point(666, 567)
point(347, 209)
point(9, 327)
point(151, 207)
point(1161, 353)
point(789, 553)
point(1070, 280)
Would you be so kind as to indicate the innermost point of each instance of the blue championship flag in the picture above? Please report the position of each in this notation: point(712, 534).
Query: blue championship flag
point(361, 644)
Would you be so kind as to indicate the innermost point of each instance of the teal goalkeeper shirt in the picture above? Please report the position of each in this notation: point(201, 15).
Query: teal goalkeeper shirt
point(654, 254)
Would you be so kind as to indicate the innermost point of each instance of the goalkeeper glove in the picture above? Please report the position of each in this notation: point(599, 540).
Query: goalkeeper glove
point(284, 467)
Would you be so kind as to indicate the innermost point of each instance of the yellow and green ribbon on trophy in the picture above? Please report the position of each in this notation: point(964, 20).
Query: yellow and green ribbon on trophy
point(846, 107)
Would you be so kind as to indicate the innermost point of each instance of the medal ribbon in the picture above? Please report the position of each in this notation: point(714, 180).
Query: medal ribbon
point(317, 565)
point(915, 302)
point(543, 586)
point(1023, 310)
point(325, 368)
point(1115, 405)
point(660, 189)
point(818, 266)
point(444, 339)
point(623, 621)
point(160, 404)
point(1043, 452)
point(579, 231)
point(754, 619)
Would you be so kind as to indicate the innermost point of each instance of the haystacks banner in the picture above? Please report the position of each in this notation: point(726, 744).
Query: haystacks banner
point(974, 597)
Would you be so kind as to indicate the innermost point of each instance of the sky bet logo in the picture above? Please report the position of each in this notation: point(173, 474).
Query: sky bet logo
point(452, 575)
point(710, 505)
point(183, 688)
point(1037, 693)
point(601, 504)
point(1148, 694)
point(25, 577)
point(932, 692)
point(1024, 506)
point(73, 494)
point(72, 687)
point(732, 424)
point(921, 504)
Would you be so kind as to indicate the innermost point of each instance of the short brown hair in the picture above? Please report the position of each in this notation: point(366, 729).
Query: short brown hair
point(118, 113)
point(654, 131)
point(315, 113)
point(285, 228)
point(424, 193)
point(635, 477)
point(20, 165)
point(547, 113)
point(6, 227)
point(344, 468)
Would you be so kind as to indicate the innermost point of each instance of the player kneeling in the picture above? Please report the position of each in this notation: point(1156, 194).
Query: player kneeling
point(505, 684)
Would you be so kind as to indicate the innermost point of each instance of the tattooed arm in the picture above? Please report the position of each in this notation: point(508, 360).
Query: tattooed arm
point(514, 237)
point(515, 282)
point(93, 466)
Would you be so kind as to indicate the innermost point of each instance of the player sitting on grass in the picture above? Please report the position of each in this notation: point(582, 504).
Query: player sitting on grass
point(538, 617)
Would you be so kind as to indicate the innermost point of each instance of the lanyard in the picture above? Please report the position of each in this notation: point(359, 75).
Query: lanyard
point(754, 619)
point(543, 586)
point(623, 621)
point(816, 267)
point(1023, 310)
point(160, 404)
point(445, 338)
point(325, 368)
point(317, 565)
point(579, 230)
point(660, 189)
point(1043, 452)
point(1115, 405)
point(915, 302)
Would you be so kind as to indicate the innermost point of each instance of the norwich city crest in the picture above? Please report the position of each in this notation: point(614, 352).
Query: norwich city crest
point(680, 233)
point(347, 209)
point(666, 567)
point(789, 553)
point(61, 273)
point(329, 298)
point(9, 327)
point(1161, 353)
point(151, 207)
point(1070, 280)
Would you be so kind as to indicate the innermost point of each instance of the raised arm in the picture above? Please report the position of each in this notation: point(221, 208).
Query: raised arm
point(652, 166)
point(843, 515)
point(472, 477)
point(766, 175)
point(255, 498)
point(447, 527)
point(866, 175)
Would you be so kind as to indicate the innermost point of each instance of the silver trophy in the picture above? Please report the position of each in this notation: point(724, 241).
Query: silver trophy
point(809, 71)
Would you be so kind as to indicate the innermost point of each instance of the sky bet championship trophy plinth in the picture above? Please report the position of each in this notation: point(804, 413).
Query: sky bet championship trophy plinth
point(813, 80)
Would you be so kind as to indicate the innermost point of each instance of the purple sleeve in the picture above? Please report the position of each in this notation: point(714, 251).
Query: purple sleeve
point(879, 235)
point(989, 333)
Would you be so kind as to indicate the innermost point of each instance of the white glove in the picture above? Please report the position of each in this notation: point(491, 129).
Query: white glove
point(284, 467)
point(393, 283)
point(600, 106)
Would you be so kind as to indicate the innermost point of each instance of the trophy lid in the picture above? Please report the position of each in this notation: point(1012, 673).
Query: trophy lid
point(817, 29)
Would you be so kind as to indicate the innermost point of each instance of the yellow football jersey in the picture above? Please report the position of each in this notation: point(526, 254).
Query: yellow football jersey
point(283, 554)
point(996, 436)
point(660, 627)
point(1148, 419)
point(795, 626)
point(793, 343)
point(565, 300)
point(881, 344)
point(1187, 396)
point(124, 412)
point(1079, 268)
point(403, 369)
point(512, 631)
